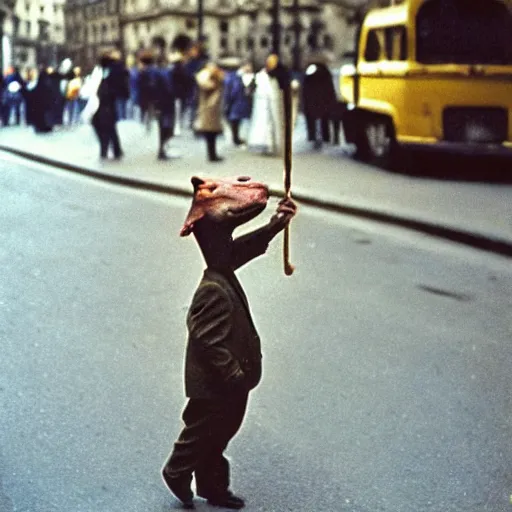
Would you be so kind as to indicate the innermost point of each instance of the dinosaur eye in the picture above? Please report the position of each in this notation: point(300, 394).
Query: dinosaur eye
point(243, 178)
point(211, 188)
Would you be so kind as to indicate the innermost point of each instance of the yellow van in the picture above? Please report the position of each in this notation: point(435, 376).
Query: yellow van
point(430, 74)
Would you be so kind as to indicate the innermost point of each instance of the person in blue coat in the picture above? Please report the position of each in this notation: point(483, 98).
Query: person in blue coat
point(237, 100)
point(165, 102)
point(12, 96)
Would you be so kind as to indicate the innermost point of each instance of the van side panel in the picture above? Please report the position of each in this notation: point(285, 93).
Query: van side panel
point(416, 99)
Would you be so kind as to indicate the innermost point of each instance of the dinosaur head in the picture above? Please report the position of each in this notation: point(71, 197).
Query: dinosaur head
point(228, 201)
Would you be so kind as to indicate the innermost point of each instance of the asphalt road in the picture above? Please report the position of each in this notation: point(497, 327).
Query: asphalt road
point(387, 360)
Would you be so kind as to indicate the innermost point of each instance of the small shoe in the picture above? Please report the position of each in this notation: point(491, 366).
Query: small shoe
point(180, 487)
point(228, 500)
point(162, 156)
point(217, 159)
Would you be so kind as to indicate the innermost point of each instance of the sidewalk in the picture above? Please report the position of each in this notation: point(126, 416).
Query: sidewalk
point(475, 213)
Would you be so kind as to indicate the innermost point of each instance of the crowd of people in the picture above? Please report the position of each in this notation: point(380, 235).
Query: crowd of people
point(182, 89)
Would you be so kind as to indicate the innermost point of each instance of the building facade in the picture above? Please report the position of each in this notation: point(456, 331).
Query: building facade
point(31, 32)
point(39, 35)
point(244, 28)
point(91, 27)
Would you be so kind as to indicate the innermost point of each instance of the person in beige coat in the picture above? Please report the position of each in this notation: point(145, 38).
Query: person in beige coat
point(208, 122)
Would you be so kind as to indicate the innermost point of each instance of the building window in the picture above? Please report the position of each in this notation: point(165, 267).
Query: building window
point(224, 43)
point(264, 42)
point(28, 27)
point(328, 42)
point(41, 9)
point(250, 43)
point(312, 41)
point(190, 24)
point(27, 6)
point(224, 26)
point(238, 45)
point(104, 32)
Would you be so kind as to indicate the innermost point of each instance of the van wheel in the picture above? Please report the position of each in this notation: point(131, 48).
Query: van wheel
point(377, 143)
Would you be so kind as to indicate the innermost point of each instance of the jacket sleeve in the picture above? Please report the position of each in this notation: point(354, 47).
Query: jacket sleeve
point(209, 325)
point(254, 244)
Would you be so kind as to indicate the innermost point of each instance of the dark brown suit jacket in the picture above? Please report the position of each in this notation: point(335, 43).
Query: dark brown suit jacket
point(224, 352)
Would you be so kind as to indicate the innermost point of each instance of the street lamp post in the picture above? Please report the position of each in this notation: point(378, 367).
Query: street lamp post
point(276, 28)
point(200, 17)
point(2, 19)
point(297, 29)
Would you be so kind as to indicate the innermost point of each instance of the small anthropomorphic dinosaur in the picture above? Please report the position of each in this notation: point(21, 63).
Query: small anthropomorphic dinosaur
point(223, 355)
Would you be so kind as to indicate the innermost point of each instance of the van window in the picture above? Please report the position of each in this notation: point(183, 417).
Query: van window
point(396, 43)
point(373, 47)
point(462, 32)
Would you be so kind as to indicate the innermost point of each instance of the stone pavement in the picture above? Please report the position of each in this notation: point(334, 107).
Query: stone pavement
point(468, 211)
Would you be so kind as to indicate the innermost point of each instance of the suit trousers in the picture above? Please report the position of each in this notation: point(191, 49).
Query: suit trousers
point(209, 426)
point(107, 136)
point(312, 125)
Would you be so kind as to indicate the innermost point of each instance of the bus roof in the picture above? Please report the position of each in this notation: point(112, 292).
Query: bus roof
point(392, 15)
point(401, 13)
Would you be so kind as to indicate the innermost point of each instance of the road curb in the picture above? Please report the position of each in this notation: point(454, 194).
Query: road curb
point(104, 176)
point(476, 240)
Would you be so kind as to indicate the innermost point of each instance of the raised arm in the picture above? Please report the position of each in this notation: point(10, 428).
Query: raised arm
point(255, 243)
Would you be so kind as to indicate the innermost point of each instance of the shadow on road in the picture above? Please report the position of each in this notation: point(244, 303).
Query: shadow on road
point(446, 167)
point(467, 168)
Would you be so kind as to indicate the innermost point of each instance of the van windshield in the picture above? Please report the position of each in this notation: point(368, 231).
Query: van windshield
point(464, 32)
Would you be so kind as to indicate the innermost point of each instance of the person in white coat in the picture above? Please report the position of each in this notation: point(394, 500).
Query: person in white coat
point(265, 133)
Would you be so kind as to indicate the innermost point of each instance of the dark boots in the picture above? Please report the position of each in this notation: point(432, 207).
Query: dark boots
point(211, 145)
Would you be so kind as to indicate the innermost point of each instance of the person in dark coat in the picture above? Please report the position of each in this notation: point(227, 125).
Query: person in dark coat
point(58, 80)
point(320, 103)
point(223, 356)
point(237, 102)
point(112, 87)
point(183, 86)
point(30, 104)
point(165, 102)
point(146, 86)
point(197, 59)
point(42, 102)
